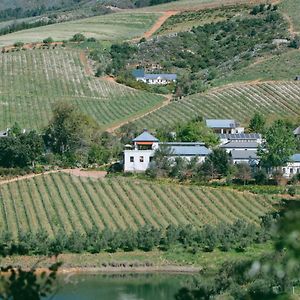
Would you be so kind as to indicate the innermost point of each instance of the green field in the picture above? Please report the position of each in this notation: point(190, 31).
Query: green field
point(239, 101)
point(292, 9)
point(63, 201)
point(31, 81)
point(112, 27)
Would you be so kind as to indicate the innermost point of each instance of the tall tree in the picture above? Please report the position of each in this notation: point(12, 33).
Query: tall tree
point(69, 130)
point(257, 123)
point(278, 147)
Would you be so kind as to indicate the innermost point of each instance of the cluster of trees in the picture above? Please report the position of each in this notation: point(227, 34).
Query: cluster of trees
point(236, 236)
point(263, 8)
point(71, 138)
point(271, 276)
point(142, 3)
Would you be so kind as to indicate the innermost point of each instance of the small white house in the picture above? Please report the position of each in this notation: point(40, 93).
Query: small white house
point(293, 166)
point(160, 79)
point(137, 158)
point(224, 126)
point(246, 157)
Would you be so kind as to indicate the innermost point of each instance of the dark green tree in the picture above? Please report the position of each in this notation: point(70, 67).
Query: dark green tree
point(257, 123)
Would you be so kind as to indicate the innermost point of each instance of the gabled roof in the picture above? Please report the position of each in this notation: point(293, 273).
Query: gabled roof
point(189, 151)
point(145, 137)
point(239, 145)
point(220, 123)
point(247, 155)
point(241, 136)
point(295, 158)
point(161, 76)
point(297, 131)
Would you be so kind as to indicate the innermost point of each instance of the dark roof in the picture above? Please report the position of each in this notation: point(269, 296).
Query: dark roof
point(239, 145)
point(138, 73)
point(240, 154)
point(295, 158)
point(241, 136)
point(183, 143)
point(145, 137)
point(220, 123)
point(189, 151)
point(161, 76)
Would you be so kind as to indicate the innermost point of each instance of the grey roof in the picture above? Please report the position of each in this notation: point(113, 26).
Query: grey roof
point(189, 151)
point(219, 123)
point(246, 154)
point(295, 158)
point(183, 143)
point(138, 73)
point(297, 131)
point(145, 137)
point(239, 145)
point(162, 76)
point(241, 136)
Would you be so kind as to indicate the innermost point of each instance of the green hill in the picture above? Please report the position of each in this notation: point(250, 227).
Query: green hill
point(63, 201)
point(237, 101)
point(31, 81)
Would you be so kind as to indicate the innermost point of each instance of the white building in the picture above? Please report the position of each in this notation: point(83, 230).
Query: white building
point(160, 79)
point(240, 137)
point(293, 166)
point(137, 158)
point(224, 126)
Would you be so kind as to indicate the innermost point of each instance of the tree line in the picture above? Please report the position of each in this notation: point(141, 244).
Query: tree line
point(237, 236)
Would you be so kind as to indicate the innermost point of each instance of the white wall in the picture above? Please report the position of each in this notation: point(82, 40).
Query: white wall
point(294, 167)
point(137, 165)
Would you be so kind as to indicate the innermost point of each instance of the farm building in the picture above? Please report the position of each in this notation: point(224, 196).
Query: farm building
point(161, 79)
point(224, 126)
point(292, 167)
point(240, 137)
point(137, 158)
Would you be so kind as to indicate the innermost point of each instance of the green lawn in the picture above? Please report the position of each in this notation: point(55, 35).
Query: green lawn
point(292, 9)
point(118, 26)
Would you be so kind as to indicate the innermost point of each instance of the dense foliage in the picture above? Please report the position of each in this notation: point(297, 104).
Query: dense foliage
point(236, 236)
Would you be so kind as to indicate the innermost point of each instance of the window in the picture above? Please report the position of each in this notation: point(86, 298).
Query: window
point(131, 158)
point(141, 158)
point(151, 159)
point(298, 171)
point(283, 170)
point(291, 171)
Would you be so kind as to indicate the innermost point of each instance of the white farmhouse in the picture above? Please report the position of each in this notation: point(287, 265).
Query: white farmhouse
point(160, 79)
point(293, 166)
point(137, 158)
point(224, 126)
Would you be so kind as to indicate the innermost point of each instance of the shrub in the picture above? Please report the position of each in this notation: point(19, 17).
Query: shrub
point(78, 37)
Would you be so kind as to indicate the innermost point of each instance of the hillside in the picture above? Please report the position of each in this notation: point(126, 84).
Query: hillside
point(31, 81)
point(60, 200)
point(237, 101)
point(118, 26)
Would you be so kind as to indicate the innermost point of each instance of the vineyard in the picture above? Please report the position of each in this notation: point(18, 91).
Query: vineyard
point(31, 81)
point(240, 102)
point(63, 201)
point(118, 26)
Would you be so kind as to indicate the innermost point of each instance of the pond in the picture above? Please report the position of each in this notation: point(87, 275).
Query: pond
point(120, 286)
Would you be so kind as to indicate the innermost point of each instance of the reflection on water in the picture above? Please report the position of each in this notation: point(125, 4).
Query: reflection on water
point(121, 286)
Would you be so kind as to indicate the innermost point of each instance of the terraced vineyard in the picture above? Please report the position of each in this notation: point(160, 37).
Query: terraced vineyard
point(240, 102)
point(60, 200)
point(31, 81)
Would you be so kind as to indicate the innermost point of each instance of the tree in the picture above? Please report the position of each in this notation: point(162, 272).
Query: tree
point(196, 131)
point(278, 147)
point(48, 40)
point(217, 164)
point(243, 172)
point(78, 37)
point(69, 130)
point(257, 123)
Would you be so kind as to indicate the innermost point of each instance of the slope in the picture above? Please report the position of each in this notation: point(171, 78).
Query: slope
point(238, 101)
point(62, 201)
point(31, 81)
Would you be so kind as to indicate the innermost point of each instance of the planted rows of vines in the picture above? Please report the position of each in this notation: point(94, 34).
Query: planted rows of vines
point(31, 81)
point(240, 102)
point(63, 201)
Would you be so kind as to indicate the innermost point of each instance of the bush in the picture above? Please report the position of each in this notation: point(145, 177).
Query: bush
point(78, 37)
point(48, 40)
point(292, 191)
